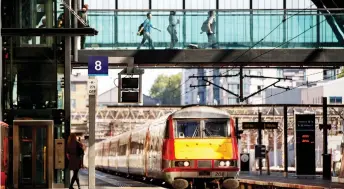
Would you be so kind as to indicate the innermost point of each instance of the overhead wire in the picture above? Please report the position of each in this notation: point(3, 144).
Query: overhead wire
point(283, 21)
point(226, 72)
point(261, 40)
point(307, 83)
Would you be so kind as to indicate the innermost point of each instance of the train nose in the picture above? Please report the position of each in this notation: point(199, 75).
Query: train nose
point(230, 184)
point(180, 184)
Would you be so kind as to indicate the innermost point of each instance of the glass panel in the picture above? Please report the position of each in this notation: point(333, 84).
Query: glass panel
point(187, 129)
point(239, 29)
point(36, 14)
point(41, 156)
point(216, 128)
point(35, 88)
point(25, 172)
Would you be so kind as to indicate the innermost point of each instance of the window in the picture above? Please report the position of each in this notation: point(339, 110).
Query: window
point(335, 100)
point(122, 150)
point(258, 89)
point(73, 103)
point(167, 129)
point(237, 100)
point(73, 87)
point(187, 129)
point(215, 128)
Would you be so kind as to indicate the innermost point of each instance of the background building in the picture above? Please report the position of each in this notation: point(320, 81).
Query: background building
point(79, 95)
point(333, 90)
point(214, 95)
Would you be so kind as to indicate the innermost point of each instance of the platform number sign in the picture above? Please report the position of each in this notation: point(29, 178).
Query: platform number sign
point(98, 65)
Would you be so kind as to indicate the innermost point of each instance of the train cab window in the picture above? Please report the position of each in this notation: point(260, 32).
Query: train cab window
point(166, 134)
point(215, 128)
point(187, 129)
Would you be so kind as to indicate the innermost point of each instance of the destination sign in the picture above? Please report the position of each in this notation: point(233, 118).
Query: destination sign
point(262, 125)
point(305, 122)
point(305, 144)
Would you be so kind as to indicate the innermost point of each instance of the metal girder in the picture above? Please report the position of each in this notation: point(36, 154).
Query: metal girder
point(218, 58)
point(150, 113)
point(121, 119)
point(48, 32)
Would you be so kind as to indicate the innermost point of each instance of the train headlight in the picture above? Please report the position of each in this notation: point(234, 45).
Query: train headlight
point(222, 163)
point(228, 163)
point(182, 164)
point(225, 163)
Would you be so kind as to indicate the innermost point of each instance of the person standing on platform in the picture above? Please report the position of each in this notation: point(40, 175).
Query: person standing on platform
point(144, 29)
point(82, 156)
point(209, 27)
point(74, 154)
point(172, 28)
point(84, 16)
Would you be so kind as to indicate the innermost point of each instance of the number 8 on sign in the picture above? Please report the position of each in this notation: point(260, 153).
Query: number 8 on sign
point(98, 65)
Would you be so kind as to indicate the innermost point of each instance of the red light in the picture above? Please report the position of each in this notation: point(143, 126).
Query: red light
point(6, 56)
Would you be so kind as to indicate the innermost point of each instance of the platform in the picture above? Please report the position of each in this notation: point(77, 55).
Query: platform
point(278, 180)
point(108, 181)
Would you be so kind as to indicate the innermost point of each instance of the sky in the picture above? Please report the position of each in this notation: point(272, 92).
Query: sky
point(107, 82)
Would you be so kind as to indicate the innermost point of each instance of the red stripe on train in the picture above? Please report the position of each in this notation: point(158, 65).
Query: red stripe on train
point(177, 169)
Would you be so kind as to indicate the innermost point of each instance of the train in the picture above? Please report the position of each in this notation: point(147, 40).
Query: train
point(190, 148)
point(4, 153)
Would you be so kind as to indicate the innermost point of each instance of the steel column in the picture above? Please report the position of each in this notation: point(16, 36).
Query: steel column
point(325, 125)
point(67, 75)
point(285, 23)
point(260, 161)
point(116, 23)
point(251, 21)
point(1, 65)
point(184, 25)
point(241, 88)
point(275, 148)
point(285, 138)
point(76, 38)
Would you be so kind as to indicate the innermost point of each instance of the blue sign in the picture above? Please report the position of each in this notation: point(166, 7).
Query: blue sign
point(98, 65)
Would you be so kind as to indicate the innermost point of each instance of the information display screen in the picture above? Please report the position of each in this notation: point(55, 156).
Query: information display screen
point(130, 83)
point(305, 144)
point(130, 97)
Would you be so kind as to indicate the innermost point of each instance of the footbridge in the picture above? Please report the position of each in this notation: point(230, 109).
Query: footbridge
point(248, 37)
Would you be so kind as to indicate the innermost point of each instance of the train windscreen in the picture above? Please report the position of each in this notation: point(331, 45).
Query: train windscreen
point(215, 128)
point(211, 128)
point(187, 129)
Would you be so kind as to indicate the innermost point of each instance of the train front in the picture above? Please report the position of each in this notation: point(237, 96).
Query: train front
point(201, 148)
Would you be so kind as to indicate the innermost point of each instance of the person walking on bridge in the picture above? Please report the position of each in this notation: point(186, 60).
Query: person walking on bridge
point(209, 28)
point(144, 29)
point(172, 28)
